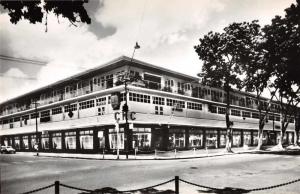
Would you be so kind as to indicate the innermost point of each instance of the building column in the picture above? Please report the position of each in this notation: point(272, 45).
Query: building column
point(242, 137)
point(251, 138)
point(204, 138)
point(165, 138)
point(218, 138)
point(78, 146)
point(187, 136)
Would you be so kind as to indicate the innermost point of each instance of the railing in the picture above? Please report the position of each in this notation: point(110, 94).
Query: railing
point(176, 180)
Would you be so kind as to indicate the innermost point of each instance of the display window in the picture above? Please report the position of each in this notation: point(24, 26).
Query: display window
point(255, 138)
point(247, 138)
point(141, 138)
point(45, 141)
point(17, 143)
point(25, 142)
point(211, 138)
point(195, 138)
point(56, 141)
point(86, 139)
point(70, 140)
point(236, 138)
point(116, 140)
point(101, 138)
point(223, 138)
point(32, 141)
point(176, 138)
point(6, 142)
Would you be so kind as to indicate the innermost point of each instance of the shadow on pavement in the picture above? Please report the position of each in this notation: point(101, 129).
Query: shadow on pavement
point(108, 190)
point(226, 190)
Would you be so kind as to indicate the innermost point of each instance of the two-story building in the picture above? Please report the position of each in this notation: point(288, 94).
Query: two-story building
point(167, 110)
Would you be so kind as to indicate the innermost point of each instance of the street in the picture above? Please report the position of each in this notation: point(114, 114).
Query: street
point(23, 172)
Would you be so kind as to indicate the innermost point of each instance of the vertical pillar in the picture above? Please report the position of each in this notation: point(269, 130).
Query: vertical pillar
point(78, 146)
point(165, 138)
point(56, 187)
point(251, 138)
point(218, 138)
point(204, 138)
point(242, 137)
point(63, 142)
point(106, 137)
point(187, 135)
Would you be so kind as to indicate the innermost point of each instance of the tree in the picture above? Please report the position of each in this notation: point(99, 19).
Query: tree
point(35, 10)
point(257, 73)
point(221, 54)
point(283, 47)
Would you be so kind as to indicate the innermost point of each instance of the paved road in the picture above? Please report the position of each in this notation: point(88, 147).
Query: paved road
point(20, 173)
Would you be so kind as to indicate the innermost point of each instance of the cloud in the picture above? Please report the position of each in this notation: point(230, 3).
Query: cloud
point(166, 30)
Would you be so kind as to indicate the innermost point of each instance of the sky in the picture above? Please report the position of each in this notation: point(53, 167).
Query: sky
point(166, 30)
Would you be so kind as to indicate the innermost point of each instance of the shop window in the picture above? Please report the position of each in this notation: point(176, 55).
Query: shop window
point(236, 138)
point(115, 141)
point(56, 141)
point(101, 138)
point(45, 141)
point(159, 110)
point(17, 143)
point(141, 140)
point(70, 140)
point(194, 106)
point(223, 134)
point(25, 142)
point(195, 138)
point(247, 138)
point(177, 138)
point(86, 139)
point(57, 110)
point(158, 100)
point(211, 139)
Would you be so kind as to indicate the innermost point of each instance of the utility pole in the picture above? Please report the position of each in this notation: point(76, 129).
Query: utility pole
point(36, 129)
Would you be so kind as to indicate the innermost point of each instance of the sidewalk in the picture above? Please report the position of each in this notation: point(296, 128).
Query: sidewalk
point(159, 155)
point(171, 155)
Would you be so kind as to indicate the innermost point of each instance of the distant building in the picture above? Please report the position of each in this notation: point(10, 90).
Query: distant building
point(167, 110)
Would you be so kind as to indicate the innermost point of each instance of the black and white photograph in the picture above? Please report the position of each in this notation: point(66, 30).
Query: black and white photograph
point(150, 96)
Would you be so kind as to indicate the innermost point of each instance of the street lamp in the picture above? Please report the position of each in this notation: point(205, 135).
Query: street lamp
point(127, 132)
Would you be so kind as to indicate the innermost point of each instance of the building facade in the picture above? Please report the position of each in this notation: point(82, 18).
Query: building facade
point(167, 110)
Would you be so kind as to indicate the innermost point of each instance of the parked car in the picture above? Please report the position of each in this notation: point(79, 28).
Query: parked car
point(7, 150)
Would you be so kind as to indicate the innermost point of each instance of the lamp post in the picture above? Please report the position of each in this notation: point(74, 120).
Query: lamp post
point(36, 146)
point(127, 132)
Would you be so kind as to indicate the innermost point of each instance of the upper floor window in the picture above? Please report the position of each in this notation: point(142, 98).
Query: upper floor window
point(172, 102)
point(101, 101)
point(255, 115)
point(158, 100)
point(212, 109)
point(221, 110)
point(33, 115)
point(159, 110)
point(246, 114)
point(45, 113)
point(235, 112)
point(71, 107)
point(194, 106)
point(86, 104)
point(56, 111)
point(139, 97)
point(169, 83)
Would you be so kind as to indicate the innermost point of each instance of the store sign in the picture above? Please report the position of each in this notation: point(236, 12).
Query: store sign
point(121, 116)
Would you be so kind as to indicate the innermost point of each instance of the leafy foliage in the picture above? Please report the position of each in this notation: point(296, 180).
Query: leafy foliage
point(35, 10)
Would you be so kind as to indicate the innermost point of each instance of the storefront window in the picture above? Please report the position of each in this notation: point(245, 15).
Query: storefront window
point(101, 139)
point(141, 138)
point(33, 141)
point(247, 138)
point(177, 138)
point(223, 138)
point(70, 140)
point(56, 140)
point(290, 136)
point(86, 139)
point(45, 141)
point(255, 138)
point(25, 142)
point(236, 138)
point(17, 143)
point(196, 138)
point(114, 140)
point(6, 141)
point(211, 139)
